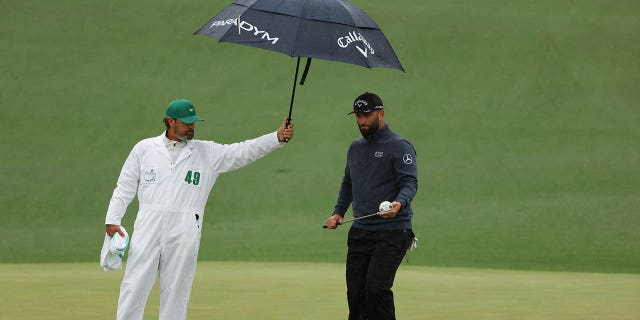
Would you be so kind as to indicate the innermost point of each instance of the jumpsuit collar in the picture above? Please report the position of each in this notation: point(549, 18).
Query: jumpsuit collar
point(186, 152)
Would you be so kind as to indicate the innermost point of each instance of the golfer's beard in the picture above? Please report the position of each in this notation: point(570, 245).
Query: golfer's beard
point(369, 131)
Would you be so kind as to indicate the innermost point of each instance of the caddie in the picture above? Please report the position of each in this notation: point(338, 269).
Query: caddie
point(173, 174)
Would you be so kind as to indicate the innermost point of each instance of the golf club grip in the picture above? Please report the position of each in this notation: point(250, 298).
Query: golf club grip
point(325, 226)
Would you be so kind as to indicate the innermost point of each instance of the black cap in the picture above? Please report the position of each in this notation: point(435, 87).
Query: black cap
point(367, 102)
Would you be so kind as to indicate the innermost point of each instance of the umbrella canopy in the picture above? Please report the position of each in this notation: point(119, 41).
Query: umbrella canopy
point(326, 29)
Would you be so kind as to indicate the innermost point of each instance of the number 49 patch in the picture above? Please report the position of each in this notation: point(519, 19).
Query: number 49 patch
point(192, 178)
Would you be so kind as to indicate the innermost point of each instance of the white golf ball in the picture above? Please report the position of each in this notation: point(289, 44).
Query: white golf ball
point(385, 206)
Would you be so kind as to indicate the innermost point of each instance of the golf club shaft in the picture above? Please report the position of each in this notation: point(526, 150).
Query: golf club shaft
point(355, 219)
point(360, 218)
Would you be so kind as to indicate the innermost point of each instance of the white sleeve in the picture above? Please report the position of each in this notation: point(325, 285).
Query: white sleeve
point(126, 187)
point(229, 157)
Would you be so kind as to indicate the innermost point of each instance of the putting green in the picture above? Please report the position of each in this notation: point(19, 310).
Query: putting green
point(239, 290)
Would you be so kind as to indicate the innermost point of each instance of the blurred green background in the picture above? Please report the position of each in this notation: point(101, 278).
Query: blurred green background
point(524, 115)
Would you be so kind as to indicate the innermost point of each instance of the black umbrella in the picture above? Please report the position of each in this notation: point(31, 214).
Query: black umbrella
point(325, 29)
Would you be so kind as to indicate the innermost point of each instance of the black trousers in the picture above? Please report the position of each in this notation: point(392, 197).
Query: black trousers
point(373, 258)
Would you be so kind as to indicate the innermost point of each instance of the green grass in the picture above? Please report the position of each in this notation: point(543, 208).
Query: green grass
point(524, 115)
point(232, 290)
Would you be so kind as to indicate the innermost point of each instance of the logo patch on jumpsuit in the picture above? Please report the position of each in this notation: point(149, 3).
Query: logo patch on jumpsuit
point(150, 176)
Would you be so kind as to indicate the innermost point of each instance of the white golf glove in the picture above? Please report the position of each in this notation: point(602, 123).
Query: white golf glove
point(414, 244)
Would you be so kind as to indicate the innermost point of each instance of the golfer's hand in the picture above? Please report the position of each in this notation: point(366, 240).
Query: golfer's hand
point(285, 133)
point(390, 214)
point(333, 221)
point(113, 228)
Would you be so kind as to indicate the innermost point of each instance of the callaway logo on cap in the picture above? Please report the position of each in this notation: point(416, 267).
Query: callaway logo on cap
point(367, 102)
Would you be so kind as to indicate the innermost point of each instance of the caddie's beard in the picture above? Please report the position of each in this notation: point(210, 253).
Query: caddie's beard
point(188, 135)
point(370, 130)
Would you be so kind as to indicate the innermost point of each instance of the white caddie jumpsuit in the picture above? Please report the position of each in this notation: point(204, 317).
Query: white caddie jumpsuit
point(172, 197)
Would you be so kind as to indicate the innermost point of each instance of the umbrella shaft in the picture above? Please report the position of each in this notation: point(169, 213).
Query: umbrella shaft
point(293, 91)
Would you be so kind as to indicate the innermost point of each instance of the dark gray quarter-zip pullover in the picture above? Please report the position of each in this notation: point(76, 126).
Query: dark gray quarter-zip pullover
point(381, 168)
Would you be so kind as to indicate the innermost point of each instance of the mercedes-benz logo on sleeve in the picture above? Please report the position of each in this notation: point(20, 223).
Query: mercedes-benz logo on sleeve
point(407, 159)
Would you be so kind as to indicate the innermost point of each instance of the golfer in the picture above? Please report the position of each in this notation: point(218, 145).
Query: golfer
point(381, 166)
point(172, 175)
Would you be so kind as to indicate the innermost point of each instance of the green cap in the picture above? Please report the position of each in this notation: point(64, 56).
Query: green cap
point(183, 110)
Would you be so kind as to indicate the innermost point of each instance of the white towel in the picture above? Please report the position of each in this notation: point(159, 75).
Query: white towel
point(113, 250)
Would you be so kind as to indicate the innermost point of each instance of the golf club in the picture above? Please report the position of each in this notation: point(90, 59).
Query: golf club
point(358, 218)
